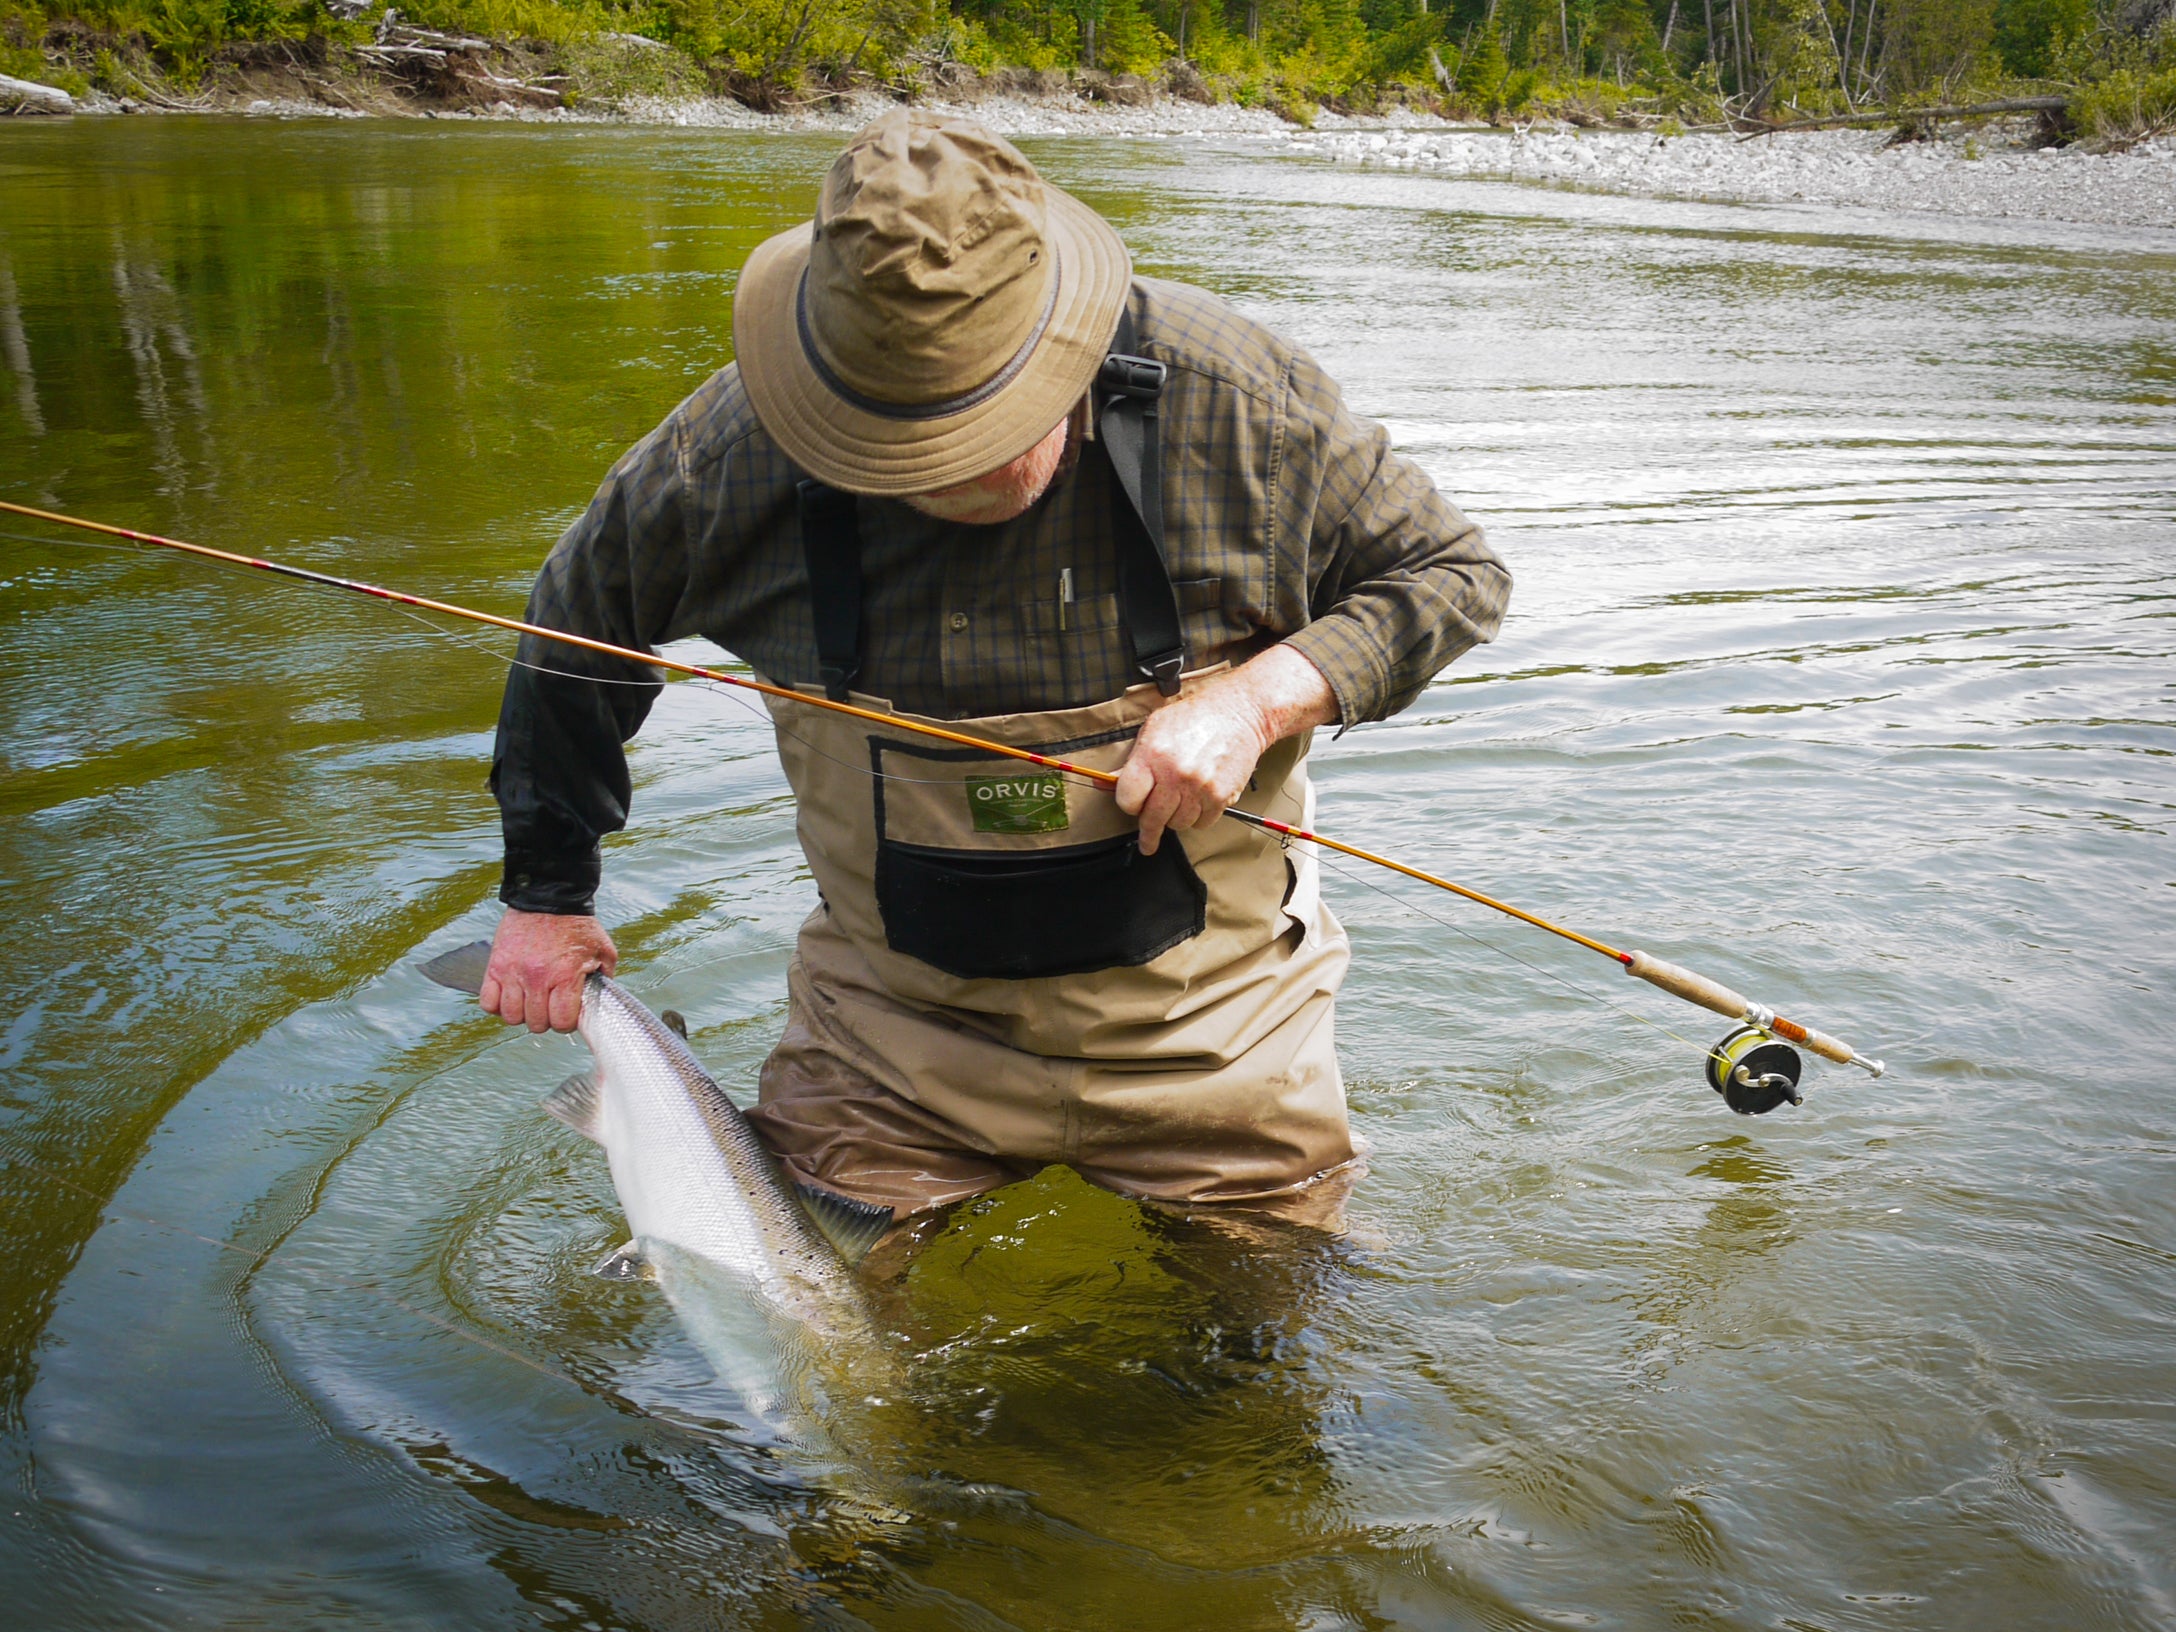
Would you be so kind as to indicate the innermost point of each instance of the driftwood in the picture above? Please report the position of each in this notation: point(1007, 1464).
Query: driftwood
point(28, 96)
point(468, 43)
point(1913, 116)
point(444, 64)
point(395, 53)
point(1443, 74)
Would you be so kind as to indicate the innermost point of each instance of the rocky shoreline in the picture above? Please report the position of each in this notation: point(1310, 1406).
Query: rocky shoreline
point(1999, 170)
point(1987, 168)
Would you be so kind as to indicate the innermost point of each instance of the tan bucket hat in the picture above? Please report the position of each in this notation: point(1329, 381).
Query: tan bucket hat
point(945, 309)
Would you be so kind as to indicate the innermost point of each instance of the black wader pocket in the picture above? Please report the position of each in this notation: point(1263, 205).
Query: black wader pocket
point(1022, 914)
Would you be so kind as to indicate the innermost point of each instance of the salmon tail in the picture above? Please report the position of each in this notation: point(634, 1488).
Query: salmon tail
point(462, 968)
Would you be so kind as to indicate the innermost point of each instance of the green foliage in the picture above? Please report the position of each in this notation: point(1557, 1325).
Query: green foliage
point(1624, 40)
point(1482, 73)
point(1127, 38)
point(771, 41)
point(20, 57)
point(1400, 54)
point(2129, 105)
point(2030, 34)
point(1799, 56)
point(2132, 89)
point(553, 20)
point(1585, 59)
point(1933, 47)
point(185, 32)
point(1529, 29)
point(613, 73)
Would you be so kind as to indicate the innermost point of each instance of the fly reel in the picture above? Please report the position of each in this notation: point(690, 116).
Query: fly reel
point(1754, 1072)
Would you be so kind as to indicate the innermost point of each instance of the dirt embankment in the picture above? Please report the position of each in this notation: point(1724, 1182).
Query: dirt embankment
point(409, 71)
point(403, 70)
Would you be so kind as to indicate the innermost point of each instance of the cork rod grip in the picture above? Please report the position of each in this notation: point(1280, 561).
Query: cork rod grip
point(1819, 1041)
point(1679, 981)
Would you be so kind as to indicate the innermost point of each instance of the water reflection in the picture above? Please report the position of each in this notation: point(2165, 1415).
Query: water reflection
point(15, 350)
point(153, 329)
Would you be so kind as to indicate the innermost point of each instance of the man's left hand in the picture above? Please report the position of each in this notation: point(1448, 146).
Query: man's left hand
point(1194, 756)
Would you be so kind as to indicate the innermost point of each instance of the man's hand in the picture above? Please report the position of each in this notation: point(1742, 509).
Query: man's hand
point(1193, 756)
point(539, 961)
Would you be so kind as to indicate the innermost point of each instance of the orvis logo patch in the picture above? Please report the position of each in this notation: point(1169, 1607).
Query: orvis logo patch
point(1017, 804)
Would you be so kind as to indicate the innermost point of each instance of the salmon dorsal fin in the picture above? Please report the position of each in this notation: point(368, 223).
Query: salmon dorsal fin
point(462, 968)
point(574, 1102)
point(851, 1226)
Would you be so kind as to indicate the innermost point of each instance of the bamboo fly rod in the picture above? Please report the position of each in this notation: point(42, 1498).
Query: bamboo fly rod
point(1670, 977)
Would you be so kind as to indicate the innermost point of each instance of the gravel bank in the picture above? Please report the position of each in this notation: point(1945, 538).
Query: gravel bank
point(1990, 173)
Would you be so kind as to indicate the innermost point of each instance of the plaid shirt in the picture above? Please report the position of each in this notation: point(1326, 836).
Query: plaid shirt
point(1285, 519)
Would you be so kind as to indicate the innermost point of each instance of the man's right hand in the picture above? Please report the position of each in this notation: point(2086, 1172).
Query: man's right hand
point(539, 961)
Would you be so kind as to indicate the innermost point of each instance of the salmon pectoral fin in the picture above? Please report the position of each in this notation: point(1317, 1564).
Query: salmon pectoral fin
point(851, 1226)
point(462, 968)
point(574, 1102)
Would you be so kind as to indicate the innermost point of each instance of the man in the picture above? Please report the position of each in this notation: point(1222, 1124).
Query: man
point(967, 467)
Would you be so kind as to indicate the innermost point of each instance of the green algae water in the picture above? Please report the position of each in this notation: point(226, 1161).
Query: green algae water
point(1839, 667)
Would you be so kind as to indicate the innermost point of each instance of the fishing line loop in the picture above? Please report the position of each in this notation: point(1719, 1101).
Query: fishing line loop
point(1546, 973)
point(709, 688)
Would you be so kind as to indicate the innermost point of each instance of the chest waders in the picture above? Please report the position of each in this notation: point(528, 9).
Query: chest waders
point(997, 978)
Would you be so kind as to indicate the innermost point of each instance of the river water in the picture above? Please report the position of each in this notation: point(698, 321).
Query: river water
point(1838, 666)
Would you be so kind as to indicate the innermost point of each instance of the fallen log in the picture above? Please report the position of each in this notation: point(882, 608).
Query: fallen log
point(28, 96)
point(386, 55)
point(465, 43)
point(545, 95)
point(1909, 116)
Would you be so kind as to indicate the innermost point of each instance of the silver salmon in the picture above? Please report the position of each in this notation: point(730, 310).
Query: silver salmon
point(759, 1269)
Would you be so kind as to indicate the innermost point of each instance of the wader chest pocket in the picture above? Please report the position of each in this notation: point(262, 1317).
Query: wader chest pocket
point(1023, 914)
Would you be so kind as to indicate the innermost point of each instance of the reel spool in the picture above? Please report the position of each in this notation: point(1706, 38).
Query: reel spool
point(1754, 1072)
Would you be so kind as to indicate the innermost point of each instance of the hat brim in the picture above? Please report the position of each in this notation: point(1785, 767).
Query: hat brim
point(863, 450)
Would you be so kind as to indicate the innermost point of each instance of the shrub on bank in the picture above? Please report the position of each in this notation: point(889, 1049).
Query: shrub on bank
point(2130, 85)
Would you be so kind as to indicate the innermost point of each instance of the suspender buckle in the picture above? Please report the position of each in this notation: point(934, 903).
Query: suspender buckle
point(1164, 669)
point(1127, 376)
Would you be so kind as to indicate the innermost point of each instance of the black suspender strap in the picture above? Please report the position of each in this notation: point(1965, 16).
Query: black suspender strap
point(831, 551)
point(1127, 390)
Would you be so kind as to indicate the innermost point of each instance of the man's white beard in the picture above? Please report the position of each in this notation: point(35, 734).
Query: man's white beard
point(1004, 493)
